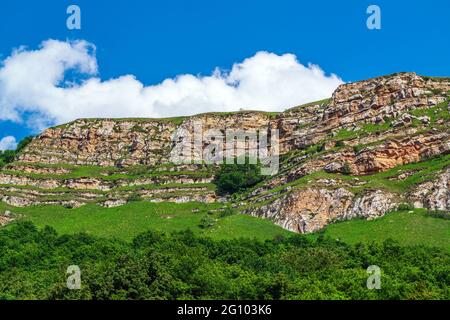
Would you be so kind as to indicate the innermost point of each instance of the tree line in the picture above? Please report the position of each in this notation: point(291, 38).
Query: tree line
point(34, 262)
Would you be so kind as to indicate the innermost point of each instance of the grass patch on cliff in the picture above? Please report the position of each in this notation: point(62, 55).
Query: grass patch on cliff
point(364, 130)
point(406, 227)
point(125, 222)
point(110, 173)
point(319, 102)
point(435, 113)
point(417, 173)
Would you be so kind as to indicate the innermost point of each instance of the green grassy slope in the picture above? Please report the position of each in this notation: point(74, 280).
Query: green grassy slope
point(125, 222)
point(407, 227)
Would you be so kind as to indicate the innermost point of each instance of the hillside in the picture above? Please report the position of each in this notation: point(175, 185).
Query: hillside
point(374, 146)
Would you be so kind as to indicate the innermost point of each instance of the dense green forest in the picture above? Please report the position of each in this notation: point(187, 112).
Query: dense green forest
point(181, 265)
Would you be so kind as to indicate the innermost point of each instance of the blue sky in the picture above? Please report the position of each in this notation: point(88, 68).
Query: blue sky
point(156, 40)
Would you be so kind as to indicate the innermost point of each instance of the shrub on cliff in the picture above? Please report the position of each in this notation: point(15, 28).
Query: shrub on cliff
point(138, 170)
point(346, 169)
point(232, 178)
point(134, 197)
point(23, 143)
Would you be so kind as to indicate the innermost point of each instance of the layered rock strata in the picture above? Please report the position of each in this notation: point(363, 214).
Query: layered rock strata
point(366, 129)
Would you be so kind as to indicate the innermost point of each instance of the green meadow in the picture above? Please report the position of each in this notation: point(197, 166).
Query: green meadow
point(125, 222)
point(410, 228)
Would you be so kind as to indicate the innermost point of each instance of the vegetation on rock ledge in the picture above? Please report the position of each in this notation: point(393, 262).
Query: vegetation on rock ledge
point(237, 177)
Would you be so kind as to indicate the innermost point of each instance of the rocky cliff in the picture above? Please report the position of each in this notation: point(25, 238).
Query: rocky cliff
point(374, 145)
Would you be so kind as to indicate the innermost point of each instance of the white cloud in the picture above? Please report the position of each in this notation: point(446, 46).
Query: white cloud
point(8, 143)
point(35, 82)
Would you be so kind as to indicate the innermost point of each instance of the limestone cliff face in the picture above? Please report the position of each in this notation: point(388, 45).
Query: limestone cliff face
point(364, 102)
point(365, 129)
point(308, 210)
point(434, 194)
point(127, 142)
point(103, 143)
point(144, 141)
point(381, 157)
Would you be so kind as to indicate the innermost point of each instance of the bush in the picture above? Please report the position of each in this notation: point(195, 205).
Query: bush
point(227, 212)
point(232, 178)
point(137, 170)
point(207, 222)
point(405, 207)
point(321, 147)
point(358, 148)
point(440, 214)
point(436, 91)
point(134, 197)
point(346, 169)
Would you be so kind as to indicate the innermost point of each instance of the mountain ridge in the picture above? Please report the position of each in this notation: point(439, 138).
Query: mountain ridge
point(332, 151)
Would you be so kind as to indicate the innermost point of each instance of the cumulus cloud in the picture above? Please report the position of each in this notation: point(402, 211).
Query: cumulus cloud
point(8, 143)
point(35, 87)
